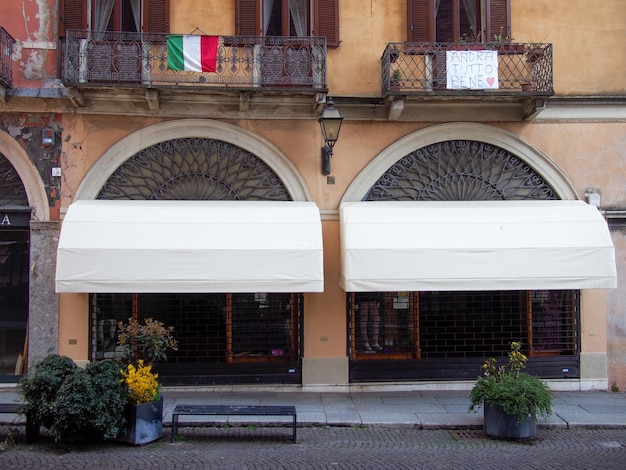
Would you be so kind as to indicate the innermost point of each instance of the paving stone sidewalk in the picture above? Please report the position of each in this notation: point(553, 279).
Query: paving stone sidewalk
point(335, 447)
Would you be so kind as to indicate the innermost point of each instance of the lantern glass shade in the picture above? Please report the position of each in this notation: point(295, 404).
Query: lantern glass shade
point(330, 122)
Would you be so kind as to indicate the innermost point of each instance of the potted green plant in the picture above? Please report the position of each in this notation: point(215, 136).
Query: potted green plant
point(143, 344)
point(512, 400)
point(74, 403)
point(396, 79)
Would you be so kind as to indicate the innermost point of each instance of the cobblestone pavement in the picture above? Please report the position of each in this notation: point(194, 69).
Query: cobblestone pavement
point(366, 447)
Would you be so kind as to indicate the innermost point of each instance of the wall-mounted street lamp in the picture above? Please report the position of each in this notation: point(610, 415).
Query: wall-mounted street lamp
point(330, 122)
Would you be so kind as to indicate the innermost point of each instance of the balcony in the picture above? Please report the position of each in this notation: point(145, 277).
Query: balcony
point(103, 59)
point(510, 81)
point(6, 49)
point(420, 68)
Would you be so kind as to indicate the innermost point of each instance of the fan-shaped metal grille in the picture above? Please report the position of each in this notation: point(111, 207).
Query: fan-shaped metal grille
point(460, 170)
point(12, 191)
point(194, 169)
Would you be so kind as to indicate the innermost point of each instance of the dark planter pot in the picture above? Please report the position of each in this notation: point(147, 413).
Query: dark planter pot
point(144, 423)
point(505, 426)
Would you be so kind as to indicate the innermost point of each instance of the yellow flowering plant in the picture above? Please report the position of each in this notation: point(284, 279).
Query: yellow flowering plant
point(518, 393)
point(143, 344)
point(141, 383)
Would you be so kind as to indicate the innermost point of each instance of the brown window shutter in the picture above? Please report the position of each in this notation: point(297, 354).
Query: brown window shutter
point(498, 18)
point(72, 15)
point(248, 18)
point(420, 20)
point(327, 21)
point(156, 17)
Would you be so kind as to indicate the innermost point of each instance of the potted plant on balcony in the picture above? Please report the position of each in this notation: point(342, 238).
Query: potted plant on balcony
point(143, 344)
point(396, 80)
point(533, 53)
point(512, 400)
point(503, 43)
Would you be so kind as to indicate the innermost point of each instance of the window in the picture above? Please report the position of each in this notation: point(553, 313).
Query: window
point(461, 324)
point(288, 18)
point(449, 20)
point(261, 328)
point(115, 15)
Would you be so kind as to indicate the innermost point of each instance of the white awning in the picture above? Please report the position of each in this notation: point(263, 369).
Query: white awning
point(190, 246)
point(486, 245)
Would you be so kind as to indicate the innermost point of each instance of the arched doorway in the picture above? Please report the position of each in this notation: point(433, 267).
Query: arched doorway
point(14, 273)
point(226, 337)
point(28, 229)
point(447, 333)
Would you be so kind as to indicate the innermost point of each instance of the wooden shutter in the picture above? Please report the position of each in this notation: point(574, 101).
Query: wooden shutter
point(498, 18)
point(327, 21)
point(248, 18)
point(72, 15)
point(156, 16)
point(420, 20)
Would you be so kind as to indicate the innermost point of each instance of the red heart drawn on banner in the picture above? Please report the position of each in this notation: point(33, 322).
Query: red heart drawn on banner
point(491, 80)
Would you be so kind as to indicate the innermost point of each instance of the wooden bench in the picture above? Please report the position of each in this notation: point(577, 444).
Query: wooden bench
point(32, 428)
point(232, 410)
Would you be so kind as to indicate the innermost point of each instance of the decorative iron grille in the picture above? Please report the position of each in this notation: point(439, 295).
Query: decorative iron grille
point(6, 49)
point(242, 61)
point(194, 169)
point(12, 191)
point(420, 68)
point(209, 328)
point(460, 170)
point(462, 324)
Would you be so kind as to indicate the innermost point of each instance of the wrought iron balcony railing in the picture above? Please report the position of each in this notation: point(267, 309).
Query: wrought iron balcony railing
point(6, 49)
point(141, 59)
point(421, 68)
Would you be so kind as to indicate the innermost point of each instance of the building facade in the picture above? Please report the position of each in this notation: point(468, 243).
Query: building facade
point(475, 195)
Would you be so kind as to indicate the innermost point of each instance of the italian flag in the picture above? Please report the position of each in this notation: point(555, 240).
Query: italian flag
point(192, 53)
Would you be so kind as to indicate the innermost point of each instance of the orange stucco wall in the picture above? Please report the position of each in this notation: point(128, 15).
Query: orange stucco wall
point(325, 314)
point(74, 326)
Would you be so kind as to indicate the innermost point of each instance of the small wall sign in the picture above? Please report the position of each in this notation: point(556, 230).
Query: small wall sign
point(14, 219)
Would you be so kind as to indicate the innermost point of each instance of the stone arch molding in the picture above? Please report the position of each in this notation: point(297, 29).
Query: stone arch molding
point(35, 189)
point(100, 172)
point(506, 140)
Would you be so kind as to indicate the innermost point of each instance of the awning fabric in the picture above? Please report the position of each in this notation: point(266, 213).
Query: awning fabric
point(190, 246)
point(486, 245)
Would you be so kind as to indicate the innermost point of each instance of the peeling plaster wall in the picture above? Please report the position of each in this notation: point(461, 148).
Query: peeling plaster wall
point(34, 26)
point(26, 129)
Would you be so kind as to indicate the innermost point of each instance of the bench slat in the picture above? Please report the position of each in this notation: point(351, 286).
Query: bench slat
point(250, 410)
point(9, 407)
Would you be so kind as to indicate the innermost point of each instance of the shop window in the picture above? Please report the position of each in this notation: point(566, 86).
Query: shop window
point(466, 324)
point(209, 328)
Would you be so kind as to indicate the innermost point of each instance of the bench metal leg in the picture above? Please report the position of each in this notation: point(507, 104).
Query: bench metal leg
point(294, 428)
point(174, 427)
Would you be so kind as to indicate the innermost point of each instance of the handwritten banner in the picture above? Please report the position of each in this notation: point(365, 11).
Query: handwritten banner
point(475, 70)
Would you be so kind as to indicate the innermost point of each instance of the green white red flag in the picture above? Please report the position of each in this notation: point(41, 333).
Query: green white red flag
point(192, 53)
